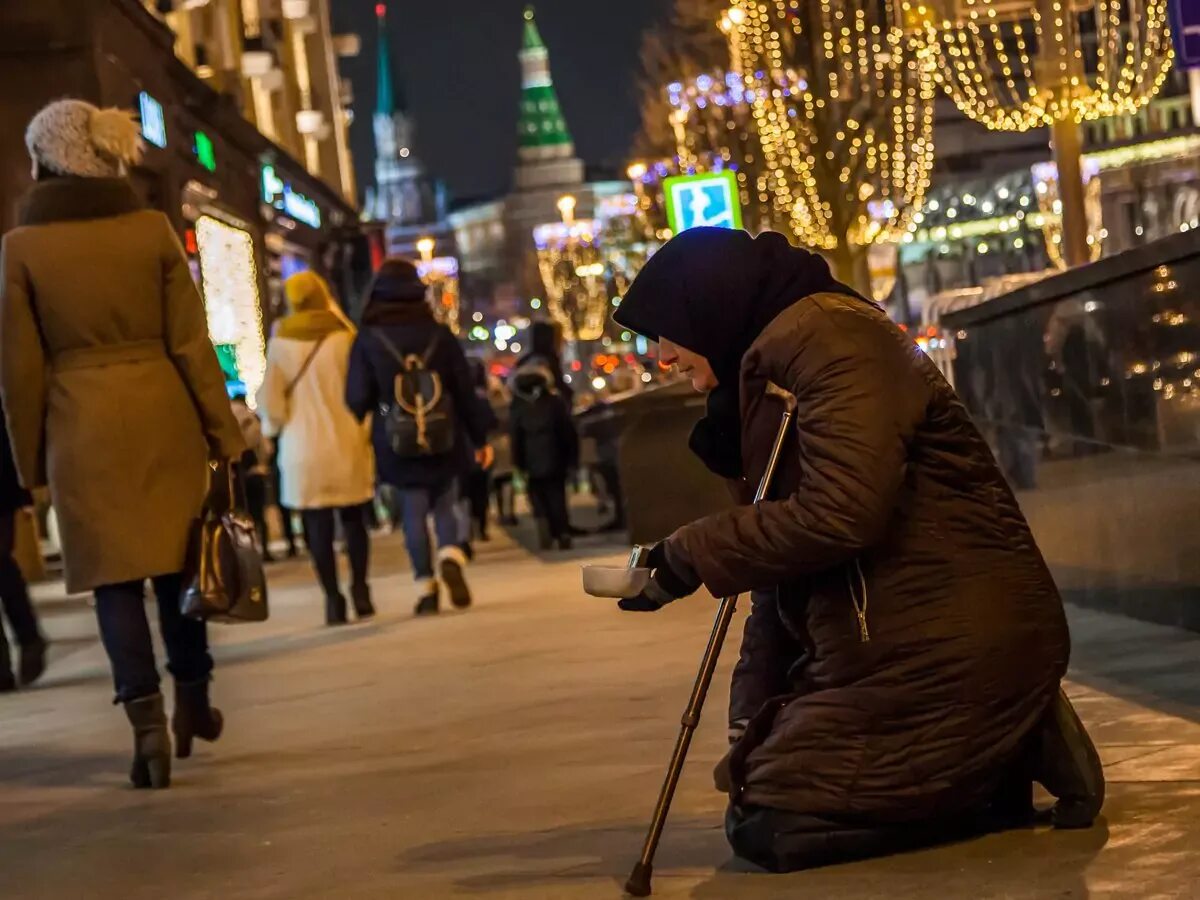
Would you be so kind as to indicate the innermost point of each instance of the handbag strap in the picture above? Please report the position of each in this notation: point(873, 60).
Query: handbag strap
point(291, 388)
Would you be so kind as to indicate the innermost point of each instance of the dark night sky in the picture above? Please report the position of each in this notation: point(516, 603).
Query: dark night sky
point(458, 62)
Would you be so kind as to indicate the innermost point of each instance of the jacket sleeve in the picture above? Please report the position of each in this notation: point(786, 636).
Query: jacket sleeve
point(516, 434)
point(191, 349)
point(462, 389)
point(362, 390)
point(23, 379)
point(273, 403)
point(568, 437)
point(860, 398)
point(767, 653)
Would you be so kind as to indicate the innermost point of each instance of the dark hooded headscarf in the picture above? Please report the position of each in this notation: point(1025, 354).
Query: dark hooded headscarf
point(713, 291)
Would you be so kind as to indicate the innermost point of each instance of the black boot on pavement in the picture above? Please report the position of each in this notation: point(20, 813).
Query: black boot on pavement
point(335, 610)
point(8, 683)
point(363, 607)
point(151, 743)
point(195, 717)
point(1068, 766)
point(427, 603)
point(33, 662)
point(451, 566)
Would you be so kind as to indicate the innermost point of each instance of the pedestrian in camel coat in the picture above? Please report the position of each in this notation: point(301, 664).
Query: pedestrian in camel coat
point(115, 399)
point(325, 452)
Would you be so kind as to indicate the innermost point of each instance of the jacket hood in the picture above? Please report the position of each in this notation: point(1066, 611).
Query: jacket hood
point(532, 379)
point(71, 199)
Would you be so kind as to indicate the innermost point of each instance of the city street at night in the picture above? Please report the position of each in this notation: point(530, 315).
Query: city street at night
point(514, 751)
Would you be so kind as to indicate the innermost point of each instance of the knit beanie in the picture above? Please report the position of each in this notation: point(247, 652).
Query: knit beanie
point(397, 281)
point(73, 137)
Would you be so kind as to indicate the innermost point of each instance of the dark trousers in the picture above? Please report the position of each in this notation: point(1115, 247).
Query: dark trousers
point(610, 475)
point(478, 491)
point(285, 515)
point(503, 486)
point(14, 593)
point(256, 505)
point(320, 532)
point(125, 631)
point(783, 841)
point(549, 499)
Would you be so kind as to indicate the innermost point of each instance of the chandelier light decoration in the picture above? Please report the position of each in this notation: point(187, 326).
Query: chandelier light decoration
point(1015, 65)
point(843, 102)
point(573, 270)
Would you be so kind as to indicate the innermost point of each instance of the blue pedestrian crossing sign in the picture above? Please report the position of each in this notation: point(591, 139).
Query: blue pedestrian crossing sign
point(710, 198)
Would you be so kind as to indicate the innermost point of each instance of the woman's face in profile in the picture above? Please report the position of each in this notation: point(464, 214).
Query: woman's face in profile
point(688, 363)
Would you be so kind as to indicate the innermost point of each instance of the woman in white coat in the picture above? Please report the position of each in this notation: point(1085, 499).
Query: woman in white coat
point(325, 457)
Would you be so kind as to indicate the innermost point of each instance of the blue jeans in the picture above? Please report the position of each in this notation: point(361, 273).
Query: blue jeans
point(121, 611)
point(417, 505)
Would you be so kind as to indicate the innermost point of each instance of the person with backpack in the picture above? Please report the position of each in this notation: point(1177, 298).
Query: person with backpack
point(429, 429)
point(324, 452)
point(545, 448)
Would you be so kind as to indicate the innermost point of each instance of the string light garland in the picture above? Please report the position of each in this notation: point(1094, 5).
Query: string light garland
point(1014, 65)
point(229, 277)
point(843, 103)
point(571, 263)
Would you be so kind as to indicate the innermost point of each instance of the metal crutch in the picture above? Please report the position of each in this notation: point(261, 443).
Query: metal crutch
point(638, 884)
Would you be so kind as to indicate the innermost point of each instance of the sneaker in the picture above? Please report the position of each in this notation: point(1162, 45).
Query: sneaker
point(451, 566)
point(427, 603)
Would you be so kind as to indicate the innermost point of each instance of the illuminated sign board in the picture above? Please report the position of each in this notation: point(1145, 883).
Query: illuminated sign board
point(154, 120)
point(278, 193)
point(709, 199)
point(206, 153)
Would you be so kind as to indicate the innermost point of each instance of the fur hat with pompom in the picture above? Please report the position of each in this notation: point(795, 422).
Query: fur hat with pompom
point(73, 137)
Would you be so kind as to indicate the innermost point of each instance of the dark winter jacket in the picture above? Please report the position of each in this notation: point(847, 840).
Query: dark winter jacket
point(544, 442)
point(906, 635)
point(412, 329)
point(12, 495)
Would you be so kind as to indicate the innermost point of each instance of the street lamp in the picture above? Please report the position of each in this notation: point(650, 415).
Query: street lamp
point(425, 247)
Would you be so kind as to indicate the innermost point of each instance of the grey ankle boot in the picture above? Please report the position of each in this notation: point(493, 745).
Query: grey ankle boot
point(151, 743)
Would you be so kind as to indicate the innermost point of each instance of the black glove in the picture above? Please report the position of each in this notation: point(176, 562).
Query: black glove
point(666, 583)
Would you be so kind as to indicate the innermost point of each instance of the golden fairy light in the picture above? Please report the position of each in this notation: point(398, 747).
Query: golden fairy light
point(843, 102)
point(571, 263)
point(440, 273)
point(1014, 65)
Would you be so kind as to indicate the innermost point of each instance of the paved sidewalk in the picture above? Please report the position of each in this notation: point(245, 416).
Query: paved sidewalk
point(514, 751)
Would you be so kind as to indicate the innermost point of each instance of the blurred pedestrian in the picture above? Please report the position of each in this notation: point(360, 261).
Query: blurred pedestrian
point(325, 459)
point(429, 429)
point(502, 466)
point(286, 516)
point(545, 448)
point(479, 479)
point(546, 348)
point(14, 593)
point(115, 400)
point(899, 681)
point(255, 470)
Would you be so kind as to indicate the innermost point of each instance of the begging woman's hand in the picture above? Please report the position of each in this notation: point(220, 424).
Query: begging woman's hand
point(668, 582)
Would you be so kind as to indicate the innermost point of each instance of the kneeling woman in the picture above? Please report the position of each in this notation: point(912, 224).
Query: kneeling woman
point(899, 675)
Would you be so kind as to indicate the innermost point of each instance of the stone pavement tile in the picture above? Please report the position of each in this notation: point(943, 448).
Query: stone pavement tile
point(511, 752)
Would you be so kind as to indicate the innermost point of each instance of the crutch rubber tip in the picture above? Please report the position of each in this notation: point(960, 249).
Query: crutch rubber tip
point(638, 884)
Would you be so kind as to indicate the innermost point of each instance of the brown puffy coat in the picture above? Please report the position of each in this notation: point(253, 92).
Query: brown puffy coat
point(113, 391)
point(887, 500)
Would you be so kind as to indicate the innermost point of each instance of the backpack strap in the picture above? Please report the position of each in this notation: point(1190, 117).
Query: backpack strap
point(291, 388)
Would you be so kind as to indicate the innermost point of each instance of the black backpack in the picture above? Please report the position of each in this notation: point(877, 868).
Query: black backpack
point(419, 418)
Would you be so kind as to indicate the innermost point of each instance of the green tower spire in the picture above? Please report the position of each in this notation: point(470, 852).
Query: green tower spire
point(541, 128)
point(390, 98)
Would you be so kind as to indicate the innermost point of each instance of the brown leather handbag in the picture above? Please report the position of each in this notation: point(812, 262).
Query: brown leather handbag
point(225, 577)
